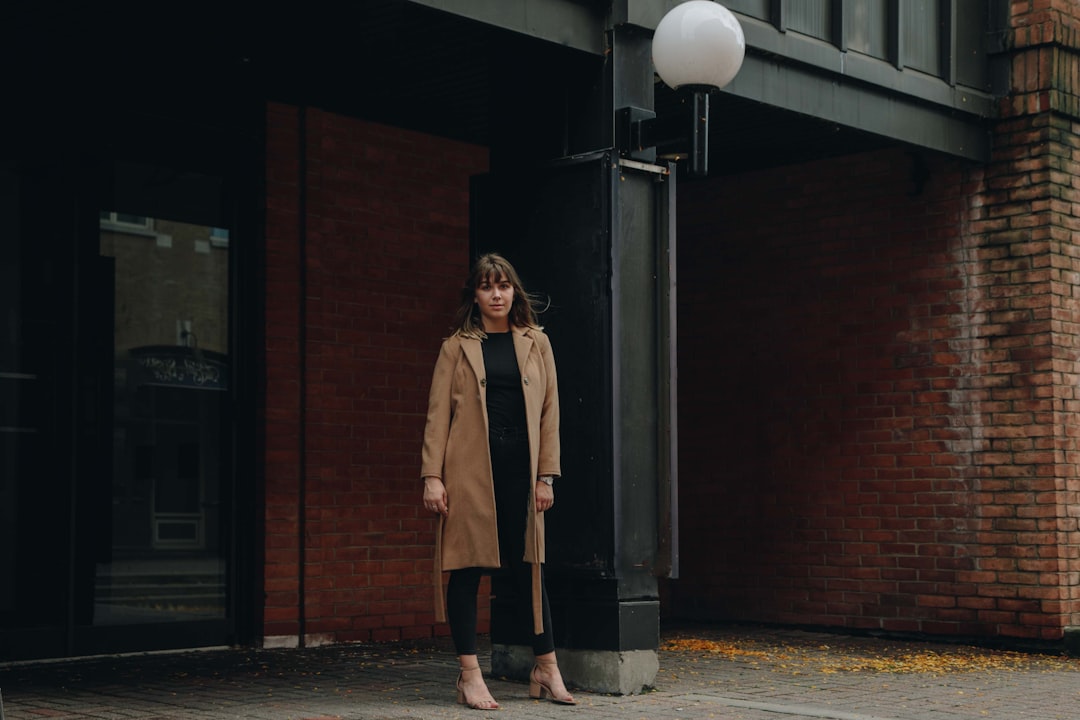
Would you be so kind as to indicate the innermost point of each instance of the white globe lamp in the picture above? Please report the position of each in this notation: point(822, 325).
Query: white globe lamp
point(699, 44)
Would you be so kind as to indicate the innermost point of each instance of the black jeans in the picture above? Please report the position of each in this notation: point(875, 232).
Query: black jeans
point(510, 466)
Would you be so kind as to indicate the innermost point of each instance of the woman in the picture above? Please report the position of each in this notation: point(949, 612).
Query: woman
point(491, 453)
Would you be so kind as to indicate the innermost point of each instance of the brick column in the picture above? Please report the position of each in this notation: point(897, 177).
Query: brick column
point(1026, 274)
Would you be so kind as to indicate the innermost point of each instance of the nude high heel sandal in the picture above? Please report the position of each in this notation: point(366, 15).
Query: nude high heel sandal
point(537, 690)
point(487, 703)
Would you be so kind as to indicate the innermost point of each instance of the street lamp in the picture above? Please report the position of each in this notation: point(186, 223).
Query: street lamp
point(698, 46)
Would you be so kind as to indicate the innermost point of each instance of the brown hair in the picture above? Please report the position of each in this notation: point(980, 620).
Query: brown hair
point(492, 267)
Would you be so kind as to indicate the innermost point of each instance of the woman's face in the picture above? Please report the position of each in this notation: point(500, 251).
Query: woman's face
point(495, 296)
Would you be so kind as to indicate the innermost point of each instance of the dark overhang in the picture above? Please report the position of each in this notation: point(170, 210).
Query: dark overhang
point(916, 74)
point(809, 87)
point(577, 24)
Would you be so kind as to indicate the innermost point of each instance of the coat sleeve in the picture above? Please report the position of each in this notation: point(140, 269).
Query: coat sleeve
point(440, 411)
point(549, 461)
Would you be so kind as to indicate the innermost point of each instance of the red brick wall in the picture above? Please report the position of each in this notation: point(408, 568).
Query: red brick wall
point(877, 406)
point(1033, 217)
point(823, 452)
point(878, 389)
point(387, 247)
point(1031, 489)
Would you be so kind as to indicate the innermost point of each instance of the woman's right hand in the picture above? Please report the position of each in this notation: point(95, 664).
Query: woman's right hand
point(435, 496)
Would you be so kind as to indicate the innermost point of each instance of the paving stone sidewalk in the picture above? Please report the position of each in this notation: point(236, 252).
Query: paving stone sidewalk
point(734, 673)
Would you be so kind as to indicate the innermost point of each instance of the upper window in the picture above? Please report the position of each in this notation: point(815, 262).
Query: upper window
point(219, 237)
point(126, 221)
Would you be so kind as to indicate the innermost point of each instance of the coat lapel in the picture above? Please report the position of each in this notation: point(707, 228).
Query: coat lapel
point(474, 353)
point(522, 347)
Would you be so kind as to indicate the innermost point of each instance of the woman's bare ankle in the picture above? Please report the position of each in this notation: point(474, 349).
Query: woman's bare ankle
point(468, 663)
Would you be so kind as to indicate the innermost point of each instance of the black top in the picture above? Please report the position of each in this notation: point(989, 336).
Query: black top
point(505, 399)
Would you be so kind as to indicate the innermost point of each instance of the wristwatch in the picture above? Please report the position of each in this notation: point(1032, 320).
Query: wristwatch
point(546, 479)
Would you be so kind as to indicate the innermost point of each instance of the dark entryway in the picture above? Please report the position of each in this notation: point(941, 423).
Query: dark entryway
point(120, 264)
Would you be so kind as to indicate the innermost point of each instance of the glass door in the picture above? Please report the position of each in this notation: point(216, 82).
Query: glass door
point(164, 271)
point(118, 398)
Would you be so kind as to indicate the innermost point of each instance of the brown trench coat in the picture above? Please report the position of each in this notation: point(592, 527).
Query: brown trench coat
point(456, 450)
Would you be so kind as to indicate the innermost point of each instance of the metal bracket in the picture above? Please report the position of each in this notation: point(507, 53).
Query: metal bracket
point(632, 133)
point(662, 170)
point(638, 132)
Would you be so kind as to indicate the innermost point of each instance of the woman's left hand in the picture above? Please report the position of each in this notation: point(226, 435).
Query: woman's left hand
point(545, 496)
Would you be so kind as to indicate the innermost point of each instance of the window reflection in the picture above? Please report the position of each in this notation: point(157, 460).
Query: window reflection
point(170, 374)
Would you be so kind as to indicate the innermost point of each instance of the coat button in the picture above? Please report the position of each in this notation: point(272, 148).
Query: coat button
point(526, 381)
point(483, 382)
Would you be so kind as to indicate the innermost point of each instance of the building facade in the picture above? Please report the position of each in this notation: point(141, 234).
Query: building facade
point(849, 401)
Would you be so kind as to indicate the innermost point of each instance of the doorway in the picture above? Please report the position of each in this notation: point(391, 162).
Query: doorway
point(119, 525)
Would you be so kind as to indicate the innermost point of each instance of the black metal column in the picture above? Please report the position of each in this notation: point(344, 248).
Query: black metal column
point(593, 233)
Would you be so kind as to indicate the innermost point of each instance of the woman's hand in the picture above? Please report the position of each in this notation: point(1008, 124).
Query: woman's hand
point(435, 496)
point(545, 496)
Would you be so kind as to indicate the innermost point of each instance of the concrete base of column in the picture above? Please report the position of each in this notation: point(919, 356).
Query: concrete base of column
point(625, 672)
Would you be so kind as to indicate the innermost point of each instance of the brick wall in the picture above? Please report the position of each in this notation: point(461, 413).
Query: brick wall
point(825, 451)
point(878, 421)
point(877, 394)
point(1032, 218)
point(387, 247)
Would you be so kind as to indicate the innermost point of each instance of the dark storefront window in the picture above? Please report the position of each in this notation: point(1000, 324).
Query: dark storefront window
point(170, 379)
point(129, 225)
point(118, 404)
